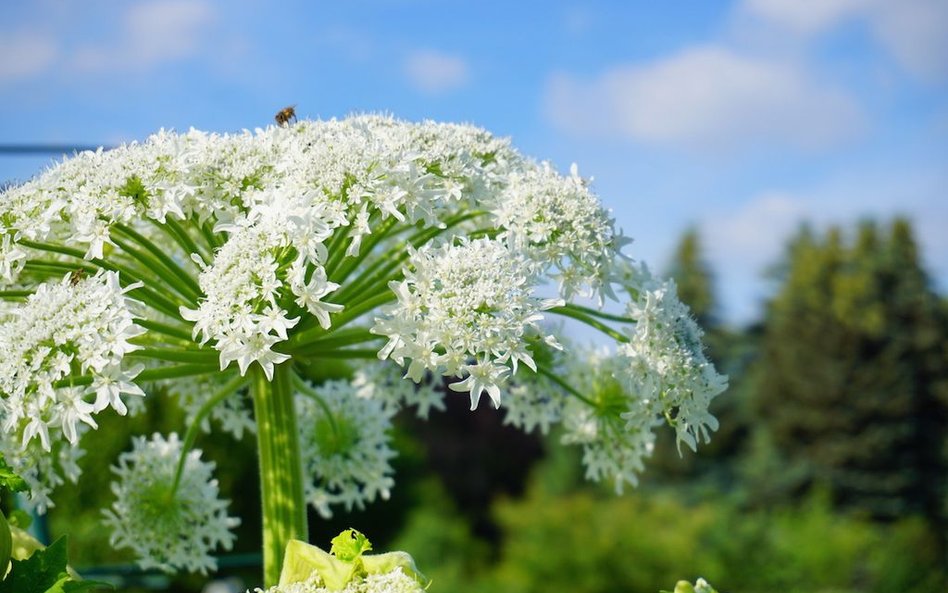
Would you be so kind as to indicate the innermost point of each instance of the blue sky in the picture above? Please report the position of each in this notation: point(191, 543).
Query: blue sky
point(741, 117)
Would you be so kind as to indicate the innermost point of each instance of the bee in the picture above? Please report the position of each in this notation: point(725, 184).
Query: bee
point(284, 116)
point(77, 276)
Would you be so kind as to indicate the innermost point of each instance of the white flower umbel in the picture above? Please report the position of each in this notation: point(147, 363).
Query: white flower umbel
point(75, 324)
point(666, 364)
point(345, 445)
point(168, 528)
point(266, 255)
point(463, 311)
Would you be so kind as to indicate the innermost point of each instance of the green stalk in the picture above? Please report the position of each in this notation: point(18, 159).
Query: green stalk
point(165, 259)
point(281, 468)
point(193, 430)
point(591, 322)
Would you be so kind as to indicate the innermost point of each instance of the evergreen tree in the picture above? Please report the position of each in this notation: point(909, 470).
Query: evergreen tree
point(851, 382)
point(693, 277)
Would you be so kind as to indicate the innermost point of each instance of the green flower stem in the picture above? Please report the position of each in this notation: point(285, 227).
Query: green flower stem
point(333, 340)
point(566, 386)
point(181, 370)
point(195, 428)
point(281, 468)
point(164, 328)
point(396, 255)
point(182, 238)
point(384, 231)
point(307, 390)
point(591, 322)
point(210, 236)
point(15, 294)
point(177, 355)
point(163, 257)
point(363, 353)
point(153, 265)
point(597, 313)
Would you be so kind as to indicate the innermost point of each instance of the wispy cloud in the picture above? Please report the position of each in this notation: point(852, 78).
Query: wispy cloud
point(152, 33)
point(433, 72)
point(912, 31)
point(25, 54)
point(705, 98)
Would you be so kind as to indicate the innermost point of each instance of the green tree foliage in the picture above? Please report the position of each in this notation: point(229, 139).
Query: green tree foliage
point(693, 277)
point(852, 378)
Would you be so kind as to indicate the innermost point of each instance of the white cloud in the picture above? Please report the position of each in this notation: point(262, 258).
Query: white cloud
point(152, 33)
point(805, 17)
point(912, 31)
point(433, 72)
point(916, 33)
point(23, 55)
point(705, 98)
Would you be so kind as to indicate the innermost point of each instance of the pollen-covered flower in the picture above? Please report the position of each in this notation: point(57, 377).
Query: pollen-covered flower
point(168, 528)
point(345, 444)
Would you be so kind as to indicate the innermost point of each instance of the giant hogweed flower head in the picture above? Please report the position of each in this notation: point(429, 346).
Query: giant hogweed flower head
point(228, 260)
point(168, 529)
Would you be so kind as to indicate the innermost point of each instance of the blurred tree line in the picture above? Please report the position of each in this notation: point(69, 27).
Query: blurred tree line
point(828, 473)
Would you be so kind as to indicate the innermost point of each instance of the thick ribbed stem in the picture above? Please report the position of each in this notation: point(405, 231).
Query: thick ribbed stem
point(281, 470)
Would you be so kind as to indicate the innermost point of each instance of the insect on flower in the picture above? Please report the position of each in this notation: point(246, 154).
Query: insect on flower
point(285, 115)
point(77, 276)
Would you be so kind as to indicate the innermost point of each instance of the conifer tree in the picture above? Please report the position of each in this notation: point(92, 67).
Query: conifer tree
point(851, 380)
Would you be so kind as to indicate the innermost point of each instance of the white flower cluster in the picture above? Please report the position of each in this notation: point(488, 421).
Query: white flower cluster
point(168, 530)
point(385, 382)
point(666, 365)
point(345, 446)
point(62, 327)
point(463, 310)
point(394, 581)
point(561, 226)
point(43, 471)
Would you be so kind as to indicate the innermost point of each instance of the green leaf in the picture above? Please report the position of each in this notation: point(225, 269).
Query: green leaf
point(43, 572)
point(10, 480)
point(349, 545)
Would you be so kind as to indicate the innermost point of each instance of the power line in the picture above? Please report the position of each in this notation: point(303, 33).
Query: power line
point(53, 149)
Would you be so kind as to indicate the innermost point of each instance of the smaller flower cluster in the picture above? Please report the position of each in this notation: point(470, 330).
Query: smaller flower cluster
point(463, 311)
point(168, 529)
point(384, 382)
point(666, 364)
point(562, 227)
point(42, 470)
point(64, 329)
point(345, 445)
